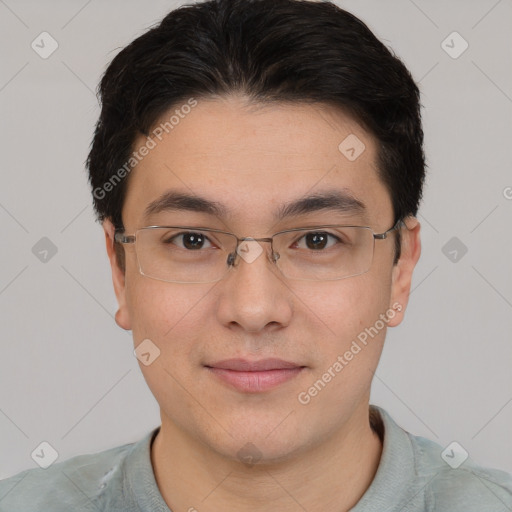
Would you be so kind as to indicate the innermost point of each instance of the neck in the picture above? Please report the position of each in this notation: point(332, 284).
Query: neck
point(332, 475)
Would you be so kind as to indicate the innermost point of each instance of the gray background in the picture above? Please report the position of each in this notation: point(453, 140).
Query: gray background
point(67, 372)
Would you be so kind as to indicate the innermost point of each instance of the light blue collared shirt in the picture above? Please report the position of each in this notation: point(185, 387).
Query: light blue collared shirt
point(412, 477)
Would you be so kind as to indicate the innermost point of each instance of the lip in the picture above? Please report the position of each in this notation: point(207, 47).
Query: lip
point(254, 376)
point(244, 365)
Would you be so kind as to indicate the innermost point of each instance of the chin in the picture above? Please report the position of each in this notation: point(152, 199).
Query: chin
point(260, 444)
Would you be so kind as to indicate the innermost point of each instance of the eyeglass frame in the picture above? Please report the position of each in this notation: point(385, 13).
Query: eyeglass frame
point(121, 238)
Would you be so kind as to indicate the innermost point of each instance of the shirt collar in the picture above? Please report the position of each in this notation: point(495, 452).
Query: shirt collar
point(140, 477)
point(396, 472)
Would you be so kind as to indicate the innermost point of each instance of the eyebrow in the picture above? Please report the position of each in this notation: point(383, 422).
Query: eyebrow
point(341, 201)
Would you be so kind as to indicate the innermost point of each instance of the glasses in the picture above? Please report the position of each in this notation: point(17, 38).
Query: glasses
point(179, 254)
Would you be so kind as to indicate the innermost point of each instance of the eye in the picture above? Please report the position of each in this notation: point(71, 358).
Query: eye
point(317, 240)
point(189, 240)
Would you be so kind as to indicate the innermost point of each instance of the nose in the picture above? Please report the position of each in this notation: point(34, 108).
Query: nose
point(253, 295)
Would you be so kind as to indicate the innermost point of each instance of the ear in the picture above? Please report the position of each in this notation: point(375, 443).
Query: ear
point(402, 271)
point(118, 277)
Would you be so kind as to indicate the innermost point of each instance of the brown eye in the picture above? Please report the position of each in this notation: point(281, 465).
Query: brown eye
point(189, 240)
point(317, 240)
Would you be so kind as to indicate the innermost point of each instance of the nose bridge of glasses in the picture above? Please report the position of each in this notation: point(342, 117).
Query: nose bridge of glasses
point(249, 249)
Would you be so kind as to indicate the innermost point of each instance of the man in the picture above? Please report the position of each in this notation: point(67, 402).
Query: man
point(258, 167)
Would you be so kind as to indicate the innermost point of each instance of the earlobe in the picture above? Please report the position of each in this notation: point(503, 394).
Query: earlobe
point(122, 316)
point(403, 270)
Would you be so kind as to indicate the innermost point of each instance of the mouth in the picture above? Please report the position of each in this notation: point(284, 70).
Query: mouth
point(254, 376)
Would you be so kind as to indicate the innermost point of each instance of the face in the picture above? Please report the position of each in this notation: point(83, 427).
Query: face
point(252, 160)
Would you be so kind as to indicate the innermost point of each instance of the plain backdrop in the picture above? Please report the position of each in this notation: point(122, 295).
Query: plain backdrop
point(67, 372)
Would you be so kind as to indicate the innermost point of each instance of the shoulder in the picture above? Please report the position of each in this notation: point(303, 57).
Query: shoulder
point(418, 474)
point(455, 482)
point(75, 484)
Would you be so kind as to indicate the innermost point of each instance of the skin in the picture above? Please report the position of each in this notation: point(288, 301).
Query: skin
point(316, 457)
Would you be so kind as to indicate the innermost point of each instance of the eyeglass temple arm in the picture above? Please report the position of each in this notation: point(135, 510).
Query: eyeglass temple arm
point(382, 236)
point(123, 239)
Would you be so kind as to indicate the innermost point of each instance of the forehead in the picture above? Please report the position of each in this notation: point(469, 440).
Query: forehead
point(253, 161)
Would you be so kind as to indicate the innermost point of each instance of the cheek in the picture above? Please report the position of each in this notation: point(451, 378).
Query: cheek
point(172, 318)
point(342, 309)
point(166, 312)
point(351, 317)
point(349, 349)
